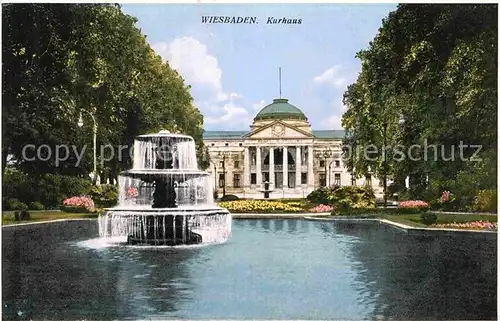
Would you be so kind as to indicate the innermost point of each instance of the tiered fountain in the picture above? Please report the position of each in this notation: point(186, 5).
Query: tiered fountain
point(164, 199)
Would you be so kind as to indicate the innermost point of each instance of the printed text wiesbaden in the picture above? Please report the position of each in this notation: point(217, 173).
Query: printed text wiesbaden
point(249, 20)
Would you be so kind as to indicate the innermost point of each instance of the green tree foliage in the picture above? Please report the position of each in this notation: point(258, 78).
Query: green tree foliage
point(63, 60)
point(428, 77)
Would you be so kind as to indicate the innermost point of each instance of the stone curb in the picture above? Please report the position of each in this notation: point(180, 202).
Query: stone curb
point(274, 215)
point(463, 213)
point(49, 221)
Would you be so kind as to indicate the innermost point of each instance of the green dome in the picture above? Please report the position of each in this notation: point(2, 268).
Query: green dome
point(280, 109)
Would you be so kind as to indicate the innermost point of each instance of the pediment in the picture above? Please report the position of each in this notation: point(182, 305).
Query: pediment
point(278, 130)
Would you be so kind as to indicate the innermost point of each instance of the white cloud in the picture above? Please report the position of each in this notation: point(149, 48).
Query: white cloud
point(331, 77)
point(333, 122)
point(232, 116)
point(190, 57)
point(235, 96)
point(258, 106)
point(202, 71)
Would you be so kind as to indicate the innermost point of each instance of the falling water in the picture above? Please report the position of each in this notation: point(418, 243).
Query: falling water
point(186, 155)
point(213, 227)
point(195, 219)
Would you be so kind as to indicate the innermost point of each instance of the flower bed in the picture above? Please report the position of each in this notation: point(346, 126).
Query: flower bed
point(322, 208)
point(258, 206)
point(78, 204)
point(413, 207)
point(477, 225)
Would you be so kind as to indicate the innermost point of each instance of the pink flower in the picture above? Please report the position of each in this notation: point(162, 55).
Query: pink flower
point(132, 192)
point(322, 208)
point(477, 225)
point(413, 204)
point(79, 201)
point(446, 197)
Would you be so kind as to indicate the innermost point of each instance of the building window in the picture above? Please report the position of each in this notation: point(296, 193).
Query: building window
point(322, 179)
point(303, 178)
point(253, 178)
point(236, 180)
point(337, 163)
point(236, 164)
point(337, 179)
point(227, 144)
point(368, 180)
point(321, 163)
point(221, 180)
point(221, 164)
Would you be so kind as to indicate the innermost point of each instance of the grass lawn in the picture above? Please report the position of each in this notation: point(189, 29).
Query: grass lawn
point(38, 216)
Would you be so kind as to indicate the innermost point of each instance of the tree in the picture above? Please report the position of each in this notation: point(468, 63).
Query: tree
point(434, 67)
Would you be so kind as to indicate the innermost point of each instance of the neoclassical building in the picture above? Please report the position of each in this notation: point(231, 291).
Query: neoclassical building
point(280, 151)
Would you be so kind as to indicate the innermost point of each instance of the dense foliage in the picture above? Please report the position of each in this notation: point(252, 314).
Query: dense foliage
point(61, 61)
point(49, 190)
point(429, 77)
point(344, 197)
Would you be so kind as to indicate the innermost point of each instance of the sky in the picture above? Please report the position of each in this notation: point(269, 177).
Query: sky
point(233, 69)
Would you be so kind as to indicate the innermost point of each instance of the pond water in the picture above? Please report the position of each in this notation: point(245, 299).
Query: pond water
point(269, 269)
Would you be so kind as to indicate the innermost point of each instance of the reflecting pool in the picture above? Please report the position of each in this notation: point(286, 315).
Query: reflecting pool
point(269, 269)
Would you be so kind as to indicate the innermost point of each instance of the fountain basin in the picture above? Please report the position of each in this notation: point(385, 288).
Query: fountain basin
point(166, 226)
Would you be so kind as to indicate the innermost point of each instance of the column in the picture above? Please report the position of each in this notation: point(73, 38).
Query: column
point(214, 177)
point(310, 163)
point(285, 167)
point(327, 171)
point(271, 167)
point(298, 165)
point(246, 167)
point(258, 164)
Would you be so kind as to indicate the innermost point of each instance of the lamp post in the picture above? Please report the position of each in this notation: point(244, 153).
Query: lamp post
point(324, 155)
point(353, 163)
point(223, 154)
point(401, 122)
point(80, 124)
point(385, 164)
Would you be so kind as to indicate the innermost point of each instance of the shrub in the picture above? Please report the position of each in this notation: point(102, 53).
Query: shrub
point(18, 185)
point(229, 198)
point(22, 215)
point(322, 208)
point(55, 188)
point(36, 206)
point(428, 218)
point(105, 195)
point(78, 204)
point(413, 207)
point(485, 201)
point(49, 189)
point(14, 204)
point(344, 196)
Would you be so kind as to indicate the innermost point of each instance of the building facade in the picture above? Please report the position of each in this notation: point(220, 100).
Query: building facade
point(280, 154)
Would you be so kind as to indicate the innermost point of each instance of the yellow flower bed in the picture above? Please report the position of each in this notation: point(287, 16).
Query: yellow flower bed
point(259, 206)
